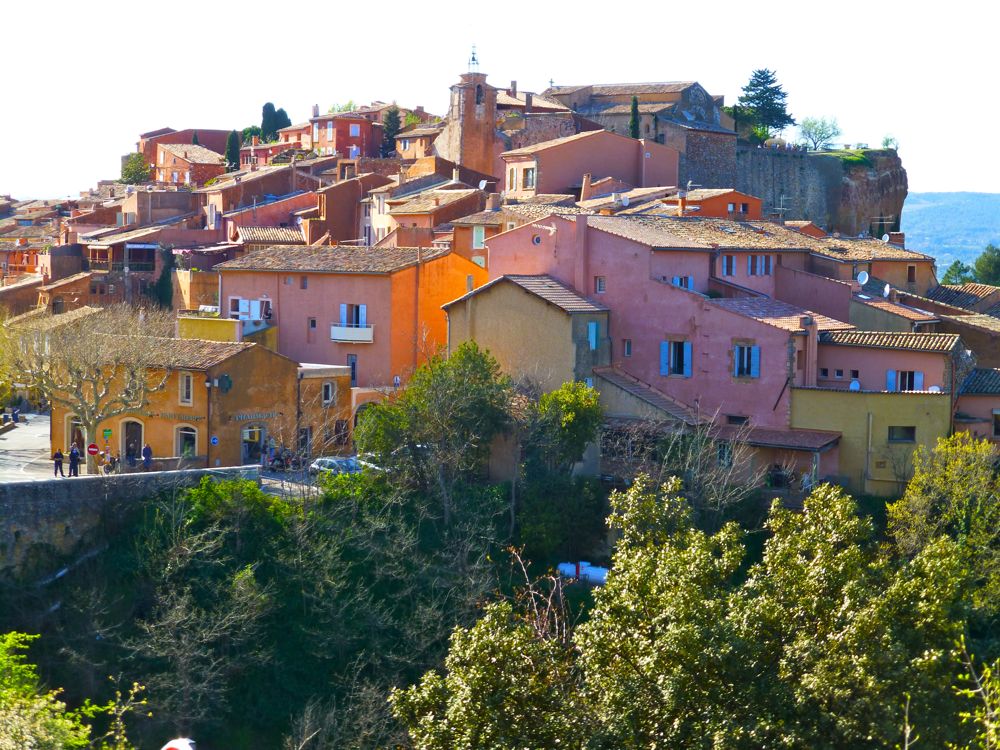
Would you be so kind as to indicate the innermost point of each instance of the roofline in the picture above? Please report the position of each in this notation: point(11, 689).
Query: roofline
point(507, 277)
point(415, 261)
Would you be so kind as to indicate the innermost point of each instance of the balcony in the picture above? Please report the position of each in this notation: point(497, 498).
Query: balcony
point(353, 334)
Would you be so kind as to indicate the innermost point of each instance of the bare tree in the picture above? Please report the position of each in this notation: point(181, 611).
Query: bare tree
point(95, 363)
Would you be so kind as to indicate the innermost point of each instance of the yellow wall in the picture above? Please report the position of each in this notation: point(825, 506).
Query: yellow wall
point(266, 337)
point(848, 412)
point(868, 318)
point(194, 288)
point(321, 417)
point(208, 328)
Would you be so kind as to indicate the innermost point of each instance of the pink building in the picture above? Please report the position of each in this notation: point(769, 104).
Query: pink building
point(348, 135)
point(888, 361)
point(979, 404)
point(559, 166)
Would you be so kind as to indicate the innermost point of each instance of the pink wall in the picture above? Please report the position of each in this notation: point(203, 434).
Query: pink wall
point(270, 214)
point(872, 364)
point(981, 407)
point(292, 307)
point(649, 312)
point(603, 154)
point(817, 293)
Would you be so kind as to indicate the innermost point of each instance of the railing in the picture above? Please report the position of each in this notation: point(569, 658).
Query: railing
point(141, 266)
point(352, 333)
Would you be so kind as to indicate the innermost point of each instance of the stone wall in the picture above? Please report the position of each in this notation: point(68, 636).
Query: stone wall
point(709, 160)
point(44, 522)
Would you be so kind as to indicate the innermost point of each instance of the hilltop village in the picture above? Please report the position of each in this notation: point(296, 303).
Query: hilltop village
point(309, 276)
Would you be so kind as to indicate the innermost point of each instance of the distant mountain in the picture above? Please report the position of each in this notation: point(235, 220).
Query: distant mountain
point(951, 226)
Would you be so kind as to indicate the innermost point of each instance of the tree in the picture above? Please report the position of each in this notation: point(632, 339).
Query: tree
point(889, 141)
point(633, 118)
point(347, 106)
point(194, 139)
point(765, 99)
point(135, 170)
point(987, 266)
point(568, 419)
point(818, 131)
point(390, 129)
point(232, 151)
point(247, 134)
point(96, 366)
point(268, 127)
point(958, 273)
point(281, 120)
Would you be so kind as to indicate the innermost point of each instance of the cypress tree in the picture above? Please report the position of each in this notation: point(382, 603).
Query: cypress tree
point(390, 129)
point(194, 139)
point(267, 119)
point(281, 120)
point(633, 120)
point(233, 152)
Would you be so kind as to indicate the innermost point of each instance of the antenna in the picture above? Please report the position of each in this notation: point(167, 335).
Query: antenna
point(885, 238)
point(473, 61)
point(863, 278)
point(885, 291)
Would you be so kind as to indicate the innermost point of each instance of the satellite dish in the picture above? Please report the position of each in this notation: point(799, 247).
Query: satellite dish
point(855, 385)
point(482, 184)
point(625, 201)
point(885, 291)
point(885, 238)
point(149, 188)
point(863, 278)
point(935, 389)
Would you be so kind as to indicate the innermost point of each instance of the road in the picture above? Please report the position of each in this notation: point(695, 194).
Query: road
point(24, 451)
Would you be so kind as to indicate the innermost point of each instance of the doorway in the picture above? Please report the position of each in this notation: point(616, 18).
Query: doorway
point(132, 441)
point(75, 432)
point(252, 442)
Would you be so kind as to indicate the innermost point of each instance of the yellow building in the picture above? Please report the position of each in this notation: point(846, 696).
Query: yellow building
point(879, 431)
point(221, 404)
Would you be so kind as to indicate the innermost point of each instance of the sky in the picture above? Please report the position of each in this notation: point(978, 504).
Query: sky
point(84, 79)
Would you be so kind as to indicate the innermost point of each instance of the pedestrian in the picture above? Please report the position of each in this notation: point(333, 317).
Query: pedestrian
point(57, 457)
point(147, 457)
point(130, 454)
point(74, 461)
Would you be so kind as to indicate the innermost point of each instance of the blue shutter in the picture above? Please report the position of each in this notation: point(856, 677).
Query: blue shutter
point(890, 380)
point(918, 381)
point(687, 359)
point(689, 282)
point(754, 361)
point(343, 315)
point(736, 361)
point(664, 358)
point(749, 265)
point(592, 327)
point(675, 280)
point(363, 316)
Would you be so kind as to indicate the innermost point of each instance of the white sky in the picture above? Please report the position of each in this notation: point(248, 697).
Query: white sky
point(84, 79)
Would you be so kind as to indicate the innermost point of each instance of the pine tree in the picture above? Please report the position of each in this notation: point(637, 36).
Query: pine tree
point(194, 139)
point(135, 170)
point(765, 99)
point(233, 152)
point(390, 128)
point(267, 120)
point(633, 120)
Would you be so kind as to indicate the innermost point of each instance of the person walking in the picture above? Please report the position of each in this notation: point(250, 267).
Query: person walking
point(57, 457)
point(147, 457)
point(74, 461)
point(130, 455)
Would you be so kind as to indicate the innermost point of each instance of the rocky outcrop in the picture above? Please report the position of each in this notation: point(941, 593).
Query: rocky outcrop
point(843, 192)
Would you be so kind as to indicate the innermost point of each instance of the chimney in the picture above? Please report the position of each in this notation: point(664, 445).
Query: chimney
point(528, 96)
point(315, 110)
point(585, 188)
point(581, 265)
point(255, 140)
point(437, 200)
point(682, 202)
point(894, 296)
point(419, 109)
point(811, 349)
point(493, 202)
point(897, 238)
point(513, 88)
point(402, 174)
point(455, 174)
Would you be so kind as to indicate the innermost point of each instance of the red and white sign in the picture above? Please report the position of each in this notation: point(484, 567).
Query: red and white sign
point(92, 449)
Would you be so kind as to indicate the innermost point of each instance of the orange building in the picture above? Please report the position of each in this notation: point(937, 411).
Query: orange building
point(188, 164)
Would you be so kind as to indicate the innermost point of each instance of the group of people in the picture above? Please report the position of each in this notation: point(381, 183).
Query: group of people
point(112, 462)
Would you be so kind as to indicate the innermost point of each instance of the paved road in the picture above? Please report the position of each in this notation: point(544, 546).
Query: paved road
point(24, 451)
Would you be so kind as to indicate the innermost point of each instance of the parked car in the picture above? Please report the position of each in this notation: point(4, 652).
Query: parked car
point(340, 465)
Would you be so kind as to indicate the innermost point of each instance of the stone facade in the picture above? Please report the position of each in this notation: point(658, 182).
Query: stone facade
point(469, 139)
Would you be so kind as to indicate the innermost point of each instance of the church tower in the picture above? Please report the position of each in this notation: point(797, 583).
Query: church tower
point(470, 137)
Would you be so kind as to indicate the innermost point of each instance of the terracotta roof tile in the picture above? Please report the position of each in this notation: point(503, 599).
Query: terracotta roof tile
point(697, 233)
point(647, 393)
point(193, 153)
point(554, 143)
point(917, 342)
point(776, 313)
point(338, 259)
point(276, 235)
point(65, 281)
point(765, 437)
point(976, 320)
point(41, 319)
point(504, 99)
point(625, 89)
point(981, 381)
point(544, 287)
point(193, 354)
point(903, 311)
point(429, 200)
point(962, 295)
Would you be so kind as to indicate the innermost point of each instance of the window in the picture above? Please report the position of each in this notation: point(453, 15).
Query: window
point(186, 388)
point(996, 423)
point(340, 432)
point(187, 441)
point(728, 265)
point(511, 225)
point(902, 434)
point(593, 331)
point(684, 282)
point(758, 265)
point(353, 316)
point(312, 324)
point(315, 131)
point(838, 373)
point(746, 361)
point(303, 282)
point(512, 179)
point(855, 374)
point(529, 178)
point(904, 380)
point(355, 130)
point(600, 284)
point(161, 157)
point(736, 419)
point(329, 130)
point(745, 208)
point(724, 454)
point(404, 144)
point(478, 237)
point(824, 372)
point(731, 208)
point(187, 177)
point(627, 347)
point(289, 280)
point(911, 274)
point(675, 358)
point(352, 362)
point(173, 177)
point(327, 393)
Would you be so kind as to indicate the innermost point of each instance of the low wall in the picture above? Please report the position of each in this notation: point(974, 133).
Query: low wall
point(43, 520)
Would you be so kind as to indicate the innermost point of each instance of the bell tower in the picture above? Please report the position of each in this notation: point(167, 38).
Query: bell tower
point(469, 139)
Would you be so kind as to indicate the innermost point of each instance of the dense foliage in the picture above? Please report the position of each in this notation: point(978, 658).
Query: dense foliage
point(135, 170)
point(391, 125)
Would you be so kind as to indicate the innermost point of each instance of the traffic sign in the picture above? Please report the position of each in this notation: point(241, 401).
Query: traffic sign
point(107, 433)
point(215, 440)
point(92, 449)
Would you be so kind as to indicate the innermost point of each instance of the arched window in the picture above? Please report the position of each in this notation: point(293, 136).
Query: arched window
point(479, 94)
point(187, 441)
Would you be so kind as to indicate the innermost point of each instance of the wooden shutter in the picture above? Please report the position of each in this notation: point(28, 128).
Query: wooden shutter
point(363, 316)
point(736, 361)
point(343, 314)
point(754, 361)
point(592, 328)
point(687, 359)
point(918, 381)
point(664, 358)
point(890, 380)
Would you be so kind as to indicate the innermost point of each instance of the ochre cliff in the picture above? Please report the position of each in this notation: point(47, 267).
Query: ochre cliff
point(871, 194)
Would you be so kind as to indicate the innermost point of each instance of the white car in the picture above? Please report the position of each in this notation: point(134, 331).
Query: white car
point(340, 465)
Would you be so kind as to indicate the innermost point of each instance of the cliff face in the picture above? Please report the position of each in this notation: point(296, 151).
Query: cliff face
point(872, 194)
point(841, 192)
